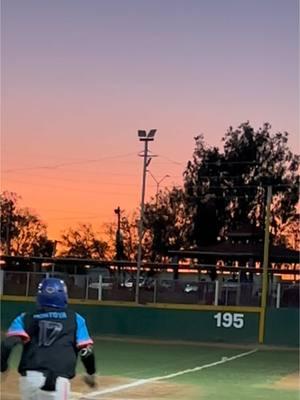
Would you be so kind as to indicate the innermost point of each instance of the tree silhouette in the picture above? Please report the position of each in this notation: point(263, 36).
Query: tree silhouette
point(83, 242)
point(164, 221)
point(22, 231)
point(129, 235)
point(225, 190)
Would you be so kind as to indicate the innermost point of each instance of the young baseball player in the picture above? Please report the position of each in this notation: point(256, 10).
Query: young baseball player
point(52, 337)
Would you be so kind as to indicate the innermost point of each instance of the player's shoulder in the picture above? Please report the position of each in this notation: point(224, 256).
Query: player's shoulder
point(20, 317)
point(79, 318)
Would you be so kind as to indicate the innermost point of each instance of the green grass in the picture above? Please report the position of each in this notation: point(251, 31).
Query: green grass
point(248, 378)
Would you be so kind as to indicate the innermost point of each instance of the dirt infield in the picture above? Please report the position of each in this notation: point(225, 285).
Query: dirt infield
point(291, 381)
point(147, 391)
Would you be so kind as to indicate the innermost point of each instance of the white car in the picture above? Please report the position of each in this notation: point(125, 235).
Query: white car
point(129, 282)
point(191, 287)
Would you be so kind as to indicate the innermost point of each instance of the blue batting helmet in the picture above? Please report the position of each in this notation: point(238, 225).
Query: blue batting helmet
point(52, 292)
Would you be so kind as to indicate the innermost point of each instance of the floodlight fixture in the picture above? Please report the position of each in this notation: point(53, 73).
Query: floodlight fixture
point(142, 134)
point(151, 134)
point(144, 137)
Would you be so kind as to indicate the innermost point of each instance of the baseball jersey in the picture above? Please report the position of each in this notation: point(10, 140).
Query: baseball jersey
point(52, 339)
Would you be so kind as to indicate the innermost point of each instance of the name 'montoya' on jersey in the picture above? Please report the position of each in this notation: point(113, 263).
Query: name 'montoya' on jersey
point(51, 314)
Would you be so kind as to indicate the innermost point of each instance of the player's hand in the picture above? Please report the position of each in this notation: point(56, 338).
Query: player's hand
point(90, 380)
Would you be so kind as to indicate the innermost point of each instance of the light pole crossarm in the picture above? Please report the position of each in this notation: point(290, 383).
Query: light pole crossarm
point(158, 182)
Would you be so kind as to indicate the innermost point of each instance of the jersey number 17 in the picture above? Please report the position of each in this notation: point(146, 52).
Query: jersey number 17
point(49, 332)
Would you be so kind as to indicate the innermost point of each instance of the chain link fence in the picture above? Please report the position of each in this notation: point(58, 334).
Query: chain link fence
point(117, 288)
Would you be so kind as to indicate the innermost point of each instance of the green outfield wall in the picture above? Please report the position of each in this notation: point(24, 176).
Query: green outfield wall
point(282, 327)
point(207, 324)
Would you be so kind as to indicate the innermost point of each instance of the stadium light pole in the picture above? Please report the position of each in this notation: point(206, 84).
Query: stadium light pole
point(146, 138)
point(264, 293)
point(157, 182)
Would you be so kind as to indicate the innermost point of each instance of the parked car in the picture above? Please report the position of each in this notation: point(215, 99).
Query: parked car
point(129, 282)
point(191, 287)
point(166, 284)
point(149, 283)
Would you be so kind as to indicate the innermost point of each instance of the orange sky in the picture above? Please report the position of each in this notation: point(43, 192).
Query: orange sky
point(79, 79)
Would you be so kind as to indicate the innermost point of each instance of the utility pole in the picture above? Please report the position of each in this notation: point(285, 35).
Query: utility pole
point(157, 183)
point(118, 212)
point(146, 138)
point(119, 241)
point(119, 244)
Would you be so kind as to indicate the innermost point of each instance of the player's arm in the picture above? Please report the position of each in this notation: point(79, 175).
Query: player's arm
point(16, 334)
point(84, 344)
point(6, 348)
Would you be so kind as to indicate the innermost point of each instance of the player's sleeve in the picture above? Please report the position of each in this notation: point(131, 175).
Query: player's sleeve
point(17, 329)
point(83, 338)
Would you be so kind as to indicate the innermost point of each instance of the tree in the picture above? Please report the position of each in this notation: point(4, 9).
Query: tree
point(129, 236)
point(9, 218)
point(22, 231)
point(163, 223)
point(288, 233)
point(224, 190)
point(83, 242)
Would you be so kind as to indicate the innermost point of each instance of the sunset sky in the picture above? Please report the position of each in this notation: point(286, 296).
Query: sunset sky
point(80, 77)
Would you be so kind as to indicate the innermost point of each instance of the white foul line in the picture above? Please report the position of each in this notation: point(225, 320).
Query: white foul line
point(159, 378)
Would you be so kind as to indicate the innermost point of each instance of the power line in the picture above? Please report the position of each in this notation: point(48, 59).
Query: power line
point(172, 161)
point(120, 193)
point(92, 173)
point(60, 165)
point(58, 178)
point(85, 162)
point(100, 173)
point(262, 186)
point(251, 162)
point(209, 187)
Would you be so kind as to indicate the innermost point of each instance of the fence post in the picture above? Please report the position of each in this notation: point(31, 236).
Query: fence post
point(216, 292)
point(205, 291)
point(1, 281)
point(27, 283)
point(100, 288)
point(87, 288)
point(238, 292)
point(278, 296)
point(155, 291)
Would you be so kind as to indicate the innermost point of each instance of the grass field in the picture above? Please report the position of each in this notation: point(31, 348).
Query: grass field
point(126, 371)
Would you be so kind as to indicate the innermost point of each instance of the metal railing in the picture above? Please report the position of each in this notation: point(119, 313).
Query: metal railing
point(153, 290)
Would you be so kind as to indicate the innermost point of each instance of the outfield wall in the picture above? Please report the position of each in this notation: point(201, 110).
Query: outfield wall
point(282, 327)
point(205, 324)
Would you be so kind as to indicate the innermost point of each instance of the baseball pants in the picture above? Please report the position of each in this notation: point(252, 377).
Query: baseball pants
point(31, 383)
